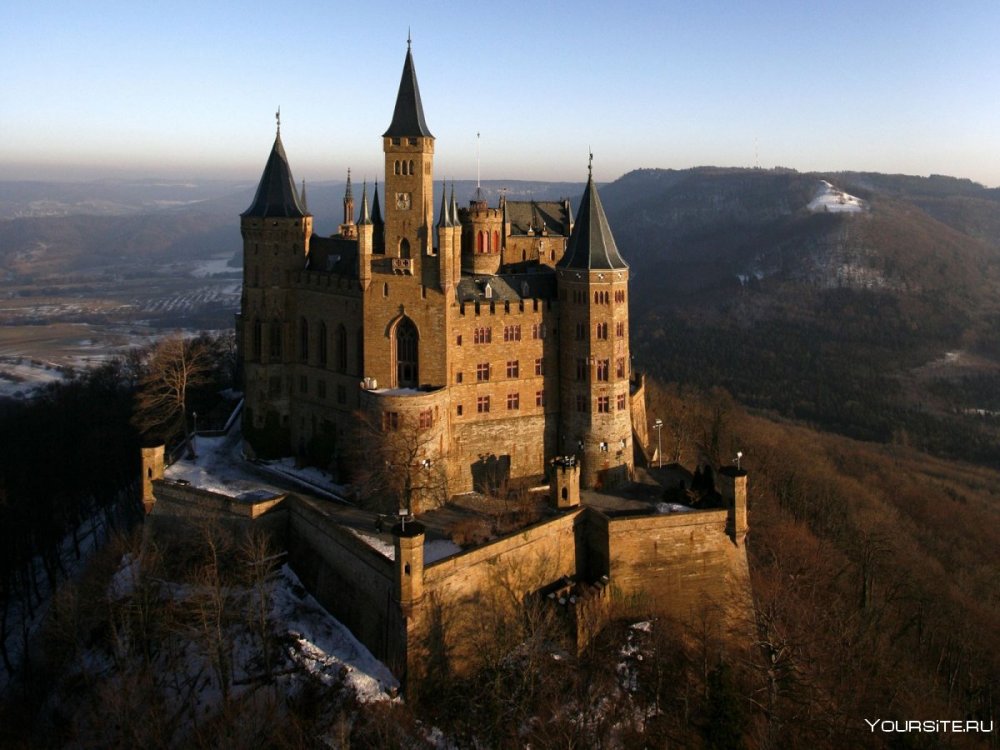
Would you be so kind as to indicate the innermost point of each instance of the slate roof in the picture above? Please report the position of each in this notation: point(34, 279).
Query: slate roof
point(591, 245)
point(553, 215)
point(276, 195)
point(408, 117)
point(510, 287)
point(333, 255)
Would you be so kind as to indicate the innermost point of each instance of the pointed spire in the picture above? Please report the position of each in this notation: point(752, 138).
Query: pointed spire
point(376, 209)
point(276, 195)
point(347, 193)
point(454, 207)
point(366, 218)
point(591, 245)
point(408, 117)
point(444, 219)
point(302, 197)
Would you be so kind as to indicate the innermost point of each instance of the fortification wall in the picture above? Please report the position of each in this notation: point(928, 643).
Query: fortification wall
point(467, 593)
point(677, 564)
point(350, 579)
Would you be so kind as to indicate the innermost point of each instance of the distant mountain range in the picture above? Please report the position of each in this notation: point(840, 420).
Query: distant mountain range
point(818, 296)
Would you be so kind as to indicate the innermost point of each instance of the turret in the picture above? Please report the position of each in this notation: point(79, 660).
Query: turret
point(365, 233)
point(408, 540)
point(733, 488)
point(482, 234)
point(445, 232)
point(152, 470)
point(565, 483)
point(348, 230)
point(378, 225)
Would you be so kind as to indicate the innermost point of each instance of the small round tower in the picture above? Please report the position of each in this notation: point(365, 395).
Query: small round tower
point(482, 237)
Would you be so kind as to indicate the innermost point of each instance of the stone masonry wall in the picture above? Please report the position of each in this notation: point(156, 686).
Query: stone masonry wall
point(676, 564)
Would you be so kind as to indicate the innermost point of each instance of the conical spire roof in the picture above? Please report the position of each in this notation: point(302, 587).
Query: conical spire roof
point(366, 218)
point(376, 210)
point(408, 117)
point(276, 195)
point(444, 218)
point(591, 246)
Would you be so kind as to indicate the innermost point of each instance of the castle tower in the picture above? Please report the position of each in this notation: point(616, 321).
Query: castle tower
point(482, 237)
point(276, 231)
point(405, 340)
point(595, 417)
point(348, 230)
point(409, 160)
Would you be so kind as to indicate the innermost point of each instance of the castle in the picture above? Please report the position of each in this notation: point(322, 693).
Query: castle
point(500, 334)
point(494, 345)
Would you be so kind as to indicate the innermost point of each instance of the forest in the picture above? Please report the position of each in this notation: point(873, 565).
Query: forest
point(875, 597)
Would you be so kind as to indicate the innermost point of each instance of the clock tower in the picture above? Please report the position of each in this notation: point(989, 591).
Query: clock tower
point(409, 173)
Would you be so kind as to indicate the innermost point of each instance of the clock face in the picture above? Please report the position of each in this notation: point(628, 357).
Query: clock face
point(403, 201)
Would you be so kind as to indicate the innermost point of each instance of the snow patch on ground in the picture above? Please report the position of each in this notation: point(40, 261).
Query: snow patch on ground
point(218, 466)
point(20, 377)
point(326, 648)
point(672, 508)
point(829, 199)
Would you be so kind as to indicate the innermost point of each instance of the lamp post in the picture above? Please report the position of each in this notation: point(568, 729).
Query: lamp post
point(658, 425)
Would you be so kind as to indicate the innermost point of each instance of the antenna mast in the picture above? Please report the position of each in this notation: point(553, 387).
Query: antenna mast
point(479, 192)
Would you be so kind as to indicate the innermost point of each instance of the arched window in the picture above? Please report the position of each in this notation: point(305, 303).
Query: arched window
point(395, 167)
point(480, 242)
point(404, 248)
point(304, 339)
point(404, 168)
point(341, 348)
point(275, 336)
point(406, 354)
point(496, 241)
point(321, 344)
point(257, 337)
point(411, 166)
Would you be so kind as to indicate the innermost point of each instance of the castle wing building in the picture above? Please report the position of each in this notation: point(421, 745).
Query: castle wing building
point(496, 337)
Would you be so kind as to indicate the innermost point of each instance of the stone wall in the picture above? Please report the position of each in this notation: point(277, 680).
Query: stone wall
point(676, 564)
point(348, 577)
point(466, 593)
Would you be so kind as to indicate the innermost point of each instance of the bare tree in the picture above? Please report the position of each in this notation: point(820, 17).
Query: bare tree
point(400, 468)
point(175, 366)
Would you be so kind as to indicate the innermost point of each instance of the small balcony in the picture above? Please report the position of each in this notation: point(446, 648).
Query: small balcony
point(402, 266)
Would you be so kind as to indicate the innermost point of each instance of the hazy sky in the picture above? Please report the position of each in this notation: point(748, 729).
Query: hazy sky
point(180, 88)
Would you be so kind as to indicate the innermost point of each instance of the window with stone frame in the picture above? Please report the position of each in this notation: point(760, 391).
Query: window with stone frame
point(482, 371)
point(621, 402)
point(540, 398)
point(482, 404)
point(602, 369)
point(482, 335)
point(604, 404)
point(390, 420)
point(513, 401)
point(538, 366)
point(513, 368)
point(620, 367)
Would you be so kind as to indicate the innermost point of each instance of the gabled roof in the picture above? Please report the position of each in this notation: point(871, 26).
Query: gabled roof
point(522, 215)
point(276, 195)
point(408, 117)
point(591, 244)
